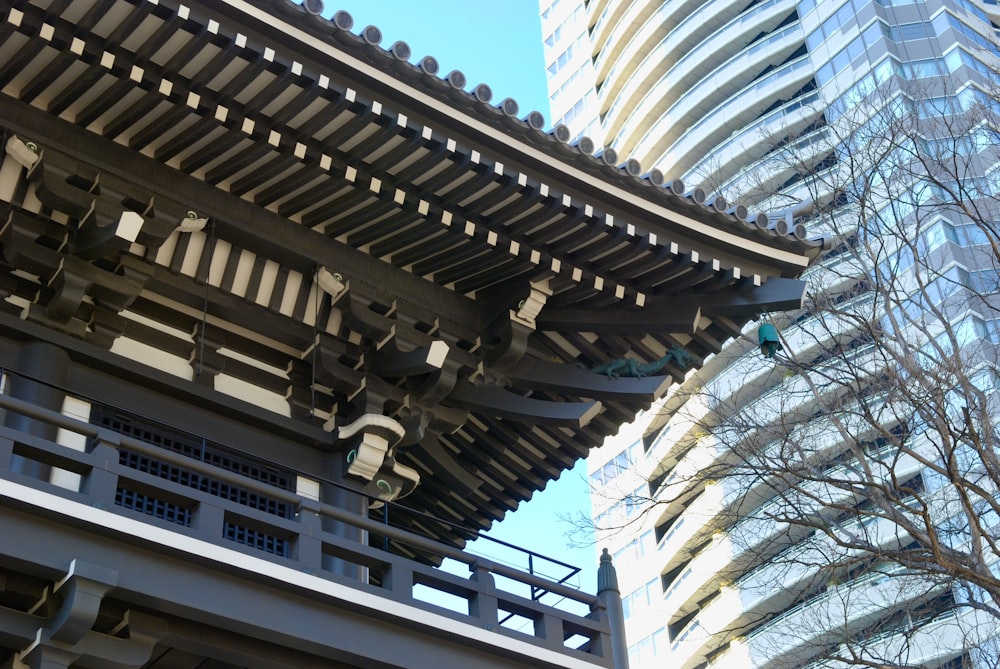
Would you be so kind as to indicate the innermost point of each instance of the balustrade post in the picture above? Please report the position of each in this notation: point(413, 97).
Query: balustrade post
point(6, 453)
point(610, 599)
point(101, 484)
point(549, 627)
point(484, 604)
point(398, 579)
point(309, 543)
point(209, 521)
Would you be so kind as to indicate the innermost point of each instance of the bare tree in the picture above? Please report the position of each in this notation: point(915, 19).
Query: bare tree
point(847, 489)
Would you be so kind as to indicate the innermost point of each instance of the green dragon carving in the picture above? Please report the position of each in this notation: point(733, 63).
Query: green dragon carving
point(630, 367)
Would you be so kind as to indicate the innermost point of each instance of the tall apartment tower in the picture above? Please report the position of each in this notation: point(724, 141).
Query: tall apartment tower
point(704, 92)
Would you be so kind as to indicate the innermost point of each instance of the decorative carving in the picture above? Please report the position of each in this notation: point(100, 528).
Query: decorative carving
point(26, 153)
point(331, 283)
point(573, 380)
point(531, 306)
point(511, 330)
point(371, 436)
point(392, 481)
point(192, 222)
point(633, 368)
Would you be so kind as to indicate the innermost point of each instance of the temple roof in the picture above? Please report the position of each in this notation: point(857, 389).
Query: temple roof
point(354, 232)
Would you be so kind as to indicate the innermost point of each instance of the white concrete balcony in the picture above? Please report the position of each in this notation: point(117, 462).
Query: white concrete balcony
point(608, 13)
point(800, 633)
point(930, 643)
point(675, 34)
point(676, 64)
point(815, 332)
point(686, 89)
point(754, 140)
point(625, 34)
point(709, 120)
point(704, 633)
point(737, 550)
point(771, 587)
point(776, 168)
point(687, 426)
point(688, 472)
point(708, 567)
point(694, 525)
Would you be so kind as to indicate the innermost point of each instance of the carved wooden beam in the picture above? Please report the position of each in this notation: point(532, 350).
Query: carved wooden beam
point(69, 285)
point(571, 380)
point(371, 436)
point(80, 594)
point(447, 467)
point(64, 191)
point(392, 362)
point(680, 316)
point(776, 294)
point(497, 401)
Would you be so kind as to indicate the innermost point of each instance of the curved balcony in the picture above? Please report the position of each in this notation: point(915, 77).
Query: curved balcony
point(693, 526)
point(677, 57)
point(677, 35)
point(706, 119)
point(754, 537)
point(610, 13)
point(685, 89)
point(624, 35)
point(686, 429)
point(798, 634)
point(773, 586)
point(774, 169)
point(755, 139)
point(932, 643)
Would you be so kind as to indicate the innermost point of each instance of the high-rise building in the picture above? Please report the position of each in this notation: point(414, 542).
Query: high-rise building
point(570, 70)
point(718, 94)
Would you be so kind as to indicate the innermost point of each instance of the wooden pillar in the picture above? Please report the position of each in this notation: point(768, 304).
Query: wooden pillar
point(44, 368)
point(349, 501)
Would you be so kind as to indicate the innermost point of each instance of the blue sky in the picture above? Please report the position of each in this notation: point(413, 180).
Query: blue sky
point(499, 43)
point(493, 42)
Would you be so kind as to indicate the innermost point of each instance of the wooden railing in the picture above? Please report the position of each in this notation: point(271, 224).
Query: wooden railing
point(303, 543)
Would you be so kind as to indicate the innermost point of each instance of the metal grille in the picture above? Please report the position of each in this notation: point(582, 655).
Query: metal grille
point(207, 484)
point(259, 540)
point(207, 452)
point(152, 506)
